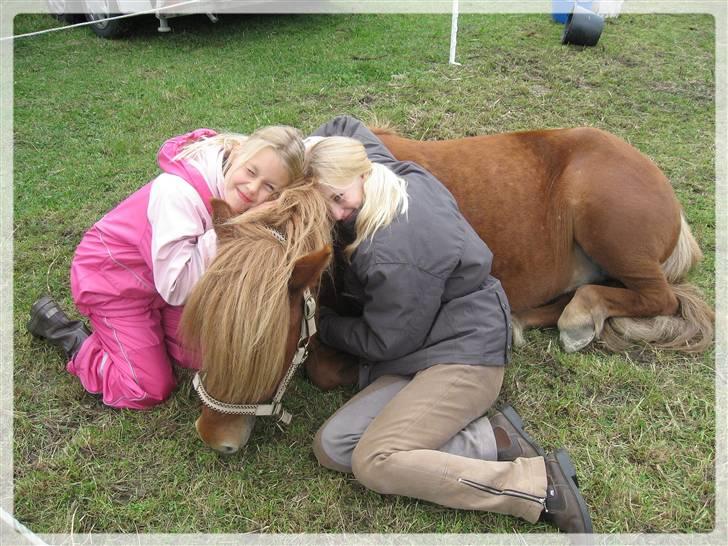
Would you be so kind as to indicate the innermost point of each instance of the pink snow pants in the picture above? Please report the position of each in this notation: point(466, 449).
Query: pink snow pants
point(128, 357)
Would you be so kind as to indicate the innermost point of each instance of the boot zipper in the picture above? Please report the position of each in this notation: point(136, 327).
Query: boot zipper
point(506, 492)
point(509, 327)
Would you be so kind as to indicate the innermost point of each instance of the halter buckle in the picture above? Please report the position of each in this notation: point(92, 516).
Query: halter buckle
point(309, 305)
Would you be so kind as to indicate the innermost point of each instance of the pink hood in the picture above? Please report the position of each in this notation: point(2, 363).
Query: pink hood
point(181, 168)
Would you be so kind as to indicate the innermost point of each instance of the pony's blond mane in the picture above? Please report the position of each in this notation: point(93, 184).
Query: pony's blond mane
point(237, 316)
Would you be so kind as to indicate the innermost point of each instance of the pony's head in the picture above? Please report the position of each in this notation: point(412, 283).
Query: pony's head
point(243, 317)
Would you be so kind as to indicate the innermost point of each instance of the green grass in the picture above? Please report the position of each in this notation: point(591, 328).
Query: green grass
point(89, 116)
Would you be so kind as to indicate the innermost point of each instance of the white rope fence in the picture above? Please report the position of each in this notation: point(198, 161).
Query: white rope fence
point(86, 23)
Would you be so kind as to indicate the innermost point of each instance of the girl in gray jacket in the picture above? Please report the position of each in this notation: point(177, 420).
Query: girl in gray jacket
point(433, 337)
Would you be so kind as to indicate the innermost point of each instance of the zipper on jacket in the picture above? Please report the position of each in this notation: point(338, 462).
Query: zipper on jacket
point(504, 492)
point(509, 327)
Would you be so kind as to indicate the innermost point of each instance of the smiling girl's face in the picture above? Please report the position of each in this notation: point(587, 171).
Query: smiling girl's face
point(256, 180)
point(343, 202)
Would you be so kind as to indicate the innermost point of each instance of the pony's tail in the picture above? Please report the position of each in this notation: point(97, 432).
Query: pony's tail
point(690, 330)
point(380, 126)
point(687, 253)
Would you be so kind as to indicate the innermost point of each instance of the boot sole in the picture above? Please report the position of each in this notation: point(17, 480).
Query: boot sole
point(514, 419)
point(562, 457)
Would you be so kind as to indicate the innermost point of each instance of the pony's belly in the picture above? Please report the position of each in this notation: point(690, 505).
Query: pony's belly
point(583, 271)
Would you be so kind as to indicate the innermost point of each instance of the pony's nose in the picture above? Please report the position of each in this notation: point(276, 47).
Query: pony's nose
point(226, 450)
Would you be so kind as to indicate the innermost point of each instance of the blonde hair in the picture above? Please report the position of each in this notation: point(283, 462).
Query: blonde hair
point(285, 141)
point(336, 161)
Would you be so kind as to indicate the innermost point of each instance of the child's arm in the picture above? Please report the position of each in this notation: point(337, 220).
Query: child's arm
point(183, 241)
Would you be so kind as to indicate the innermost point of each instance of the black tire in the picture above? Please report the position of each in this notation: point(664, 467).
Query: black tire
point(107, 29)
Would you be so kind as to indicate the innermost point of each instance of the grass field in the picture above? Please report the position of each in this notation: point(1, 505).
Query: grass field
point(89, 116)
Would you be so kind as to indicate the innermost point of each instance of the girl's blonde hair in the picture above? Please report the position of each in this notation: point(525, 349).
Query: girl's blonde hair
point(285, 141)
point(336, 161)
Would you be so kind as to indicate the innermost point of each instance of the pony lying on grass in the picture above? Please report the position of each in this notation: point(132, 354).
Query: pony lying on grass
point(585, 230)
point(586, 234)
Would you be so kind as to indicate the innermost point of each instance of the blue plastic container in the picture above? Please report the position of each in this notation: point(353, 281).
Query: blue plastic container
point(560, 9)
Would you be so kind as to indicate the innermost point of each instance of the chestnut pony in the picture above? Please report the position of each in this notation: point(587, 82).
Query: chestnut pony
point(243, 316)
point(586, 233)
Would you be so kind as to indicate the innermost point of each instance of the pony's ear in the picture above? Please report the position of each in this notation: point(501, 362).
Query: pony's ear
point(308, 269)
point(221, 213)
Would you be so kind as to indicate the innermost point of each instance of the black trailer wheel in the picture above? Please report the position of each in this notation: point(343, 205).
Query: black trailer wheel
point(97, 11)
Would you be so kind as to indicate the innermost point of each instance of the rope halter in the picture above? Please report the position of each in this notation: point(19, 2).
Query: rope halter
point(275, 407)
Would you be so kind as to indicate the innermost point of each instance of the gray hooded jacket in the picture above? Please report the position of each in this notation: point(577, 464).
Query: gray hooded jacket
point(423, 282)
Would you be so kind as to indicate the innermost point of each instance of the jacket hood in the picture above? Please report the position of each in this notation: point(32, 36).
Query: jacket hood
point(181, 167)
point(172, 147)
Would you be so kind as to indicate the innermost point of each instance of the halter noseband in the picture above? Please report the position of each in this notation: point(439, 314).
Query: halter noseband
point(308, 329)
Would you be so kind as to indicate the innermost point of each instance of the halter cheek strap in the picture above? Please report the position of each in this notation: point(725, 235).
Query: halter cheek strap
point(308, 329)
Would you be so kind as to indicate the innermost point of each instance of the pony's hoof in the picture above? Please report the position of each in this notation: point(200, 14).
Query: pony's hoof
point(575, 339)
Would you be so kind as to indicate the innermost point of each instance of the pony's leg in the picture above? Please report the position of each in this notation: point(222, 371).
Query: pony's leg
point(544, 316)
point(626, 220)
point(583, 318)
point(328, 368)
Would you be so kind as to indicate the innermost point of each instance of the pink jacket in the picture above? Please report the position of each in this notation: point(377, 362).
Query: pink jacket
point(113, 267)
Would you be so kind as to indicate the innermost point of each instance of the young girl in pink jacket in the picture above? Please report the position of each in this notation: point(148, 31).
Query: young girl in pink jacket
point(134, 268)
